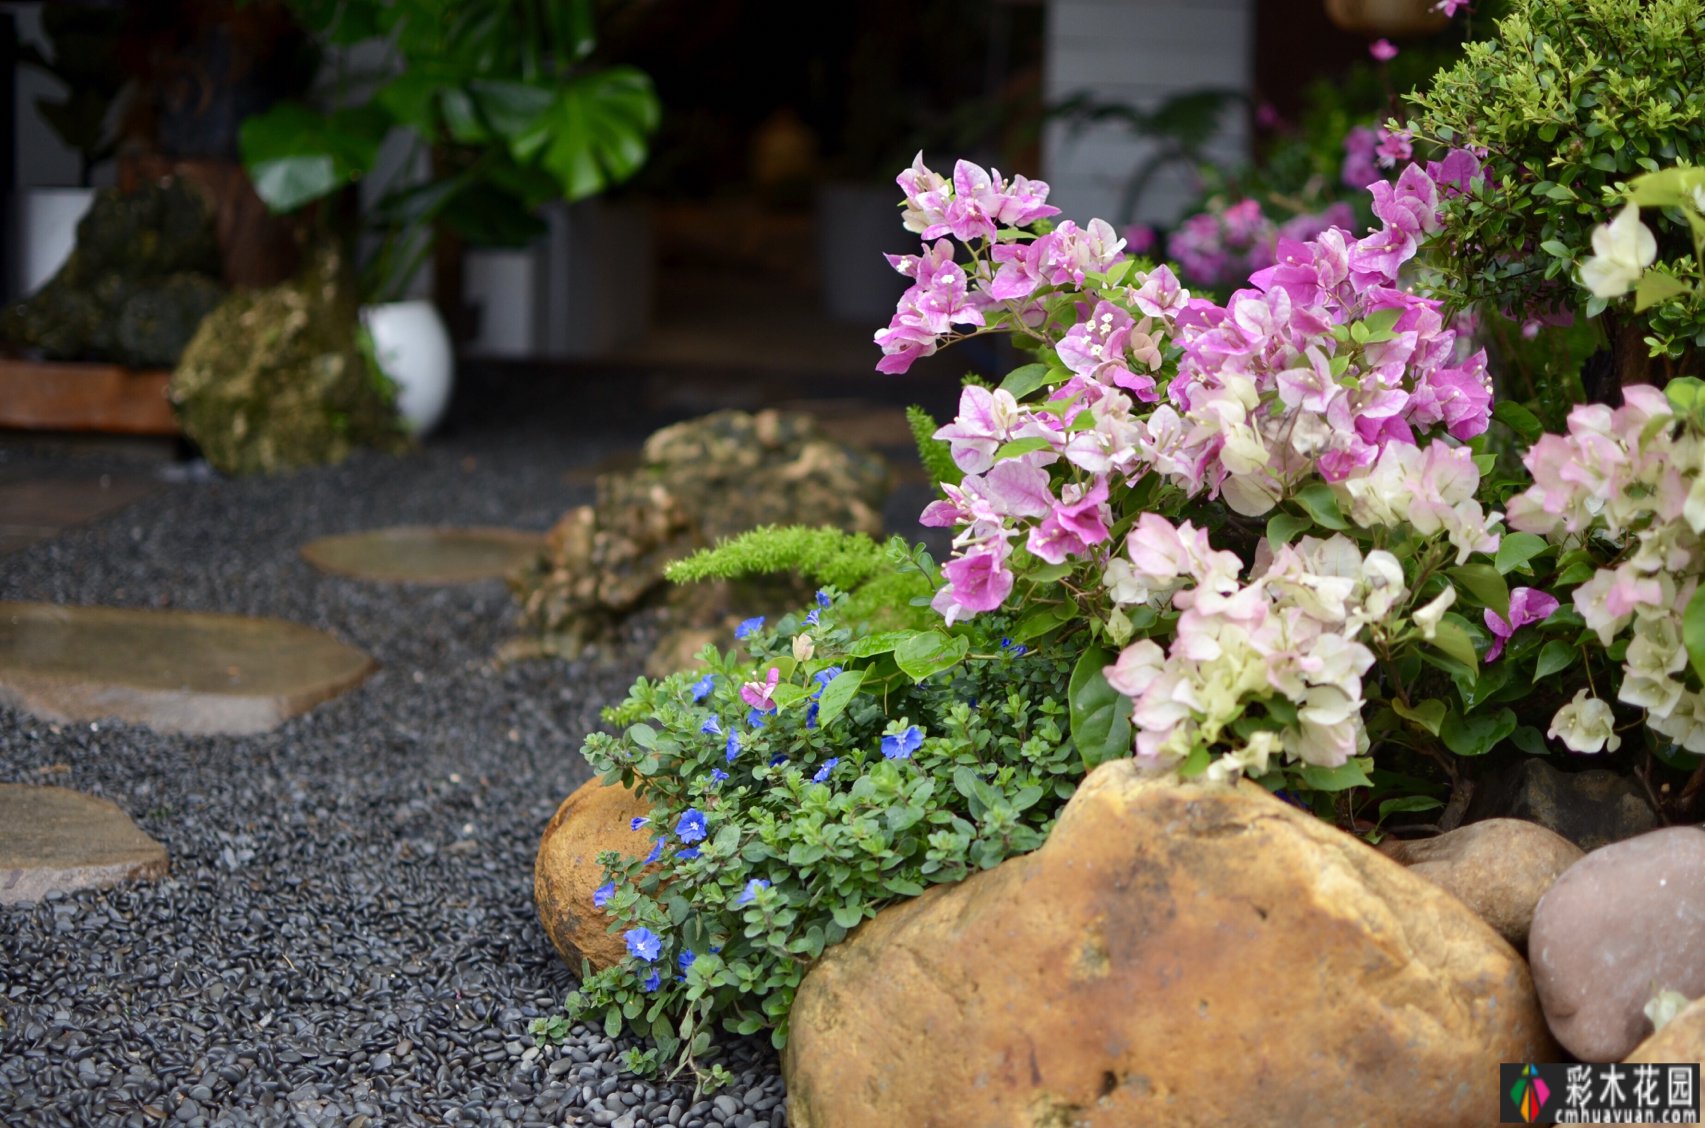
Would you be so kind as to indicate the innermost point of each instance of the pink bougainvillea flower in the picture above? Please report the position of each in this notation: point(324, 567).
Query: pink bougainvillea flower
point(1382, 50)
point(1527, 605)
point(1450, 8)
point(757, 694)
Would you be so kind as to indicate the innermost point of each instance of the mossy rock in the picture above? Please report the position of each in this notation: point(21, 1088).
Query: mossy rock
point(144, 272)
point(701, 481)
point(275, 379)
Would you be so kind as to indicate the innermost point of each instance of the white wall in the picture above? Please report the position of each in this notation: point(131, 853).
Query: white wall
point(1140, 52)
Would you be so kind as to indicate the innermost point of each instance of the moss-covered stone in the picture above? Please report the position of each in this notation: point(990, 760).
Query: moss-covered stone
point(144, 272)
point(701, 481)
point(275, 380)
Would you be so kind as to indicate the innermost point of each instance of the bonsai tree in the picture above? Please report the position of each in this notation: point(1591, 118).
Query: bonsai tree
point(501, 103)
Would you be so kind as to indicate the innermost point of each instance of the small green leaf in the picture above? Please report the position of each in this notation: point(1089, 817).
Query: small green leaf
point(1656, 286)
point(1281, 527)
point(1101, 716)
point(1351, 773)
point(1428, 714)
point(837, 695)
point(1693, 631)
point(1529, 740)
point(1020, 382)
point(1019, 447)
point(1519, 419)
point(847, 916)
point(1553, 656)
point(879, 643)
point(1453, 640)
point(1321, 505)
point(1407, 804)
point(1041, 621)
point(1516, 549)
point(1487, 585)
point(1478, 734)
point(930, 652)
point(643, 735)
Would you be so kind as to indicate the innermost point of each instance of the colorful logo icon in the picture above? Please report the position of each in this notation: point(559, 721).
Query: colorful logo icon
point(1529, 1093)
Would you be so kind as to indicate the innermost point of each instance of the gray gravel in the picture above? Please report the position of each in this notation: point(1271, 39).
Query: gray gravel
point(348, 934)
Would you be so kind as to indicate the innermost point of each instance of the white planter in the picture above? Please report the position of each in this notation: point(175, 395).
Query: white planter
point(413, 348)
point(44, 229)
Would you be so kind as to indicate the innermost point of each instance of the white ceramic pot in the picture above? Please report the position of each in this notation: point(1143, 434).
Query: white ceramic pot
point(413, 348)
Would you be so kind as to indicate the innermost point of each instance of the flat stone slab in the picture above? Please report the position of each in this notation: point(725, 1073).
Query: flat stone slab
point(424, 555)
point(173, 671)
point(52, 838)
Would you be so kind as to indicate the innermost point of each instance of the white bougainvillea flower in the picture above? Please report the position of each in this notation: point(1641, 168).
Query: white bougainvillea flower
point(1622, 250)
point(1427, 618)
point(1586, 724)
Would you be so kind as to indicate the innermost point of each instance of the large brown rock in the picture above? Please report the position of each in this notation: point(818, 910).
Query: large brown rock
point(1682, 1040)
point(1621, 924)
point(1499, 868)
point(1174, 955)
point(595, 818)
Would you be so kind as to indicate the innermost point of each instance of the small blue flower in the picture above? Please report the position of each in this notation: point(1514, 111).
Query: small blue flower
point(811, 715)
point(1006, 643)
point(638, 822)
point(601, 896)
point(717, 775)
point(733, 746)
point(643, 944)
point(653, 981)
point(822, 599)
point(777, 760)
point(901, 745)
point(688, 854)
point(823, 677)
point(823, 772)
point(712, 726)
point(702, 687)
point(656, 852)
point(691, 826)
point(716, 949)
point(752, 888)
point(754, 718)
point(1020, 650)
point(813, 616)
point(686, 958)
point(749, 627)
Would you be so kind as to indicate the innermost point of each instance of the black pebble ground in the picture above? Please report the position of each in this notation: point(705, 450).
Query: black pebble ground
point(347, 935)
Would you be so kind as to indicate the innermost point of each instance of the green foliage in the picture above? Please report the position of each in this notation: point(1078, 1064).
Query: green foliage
point(1571, 99)
point(501, 96)
point(932, 452)
point(892, 761)
point(823, 555)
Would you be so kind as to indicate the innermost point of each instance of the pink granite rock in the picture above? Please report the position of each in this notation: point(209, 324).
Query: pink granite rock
point(1619, 925)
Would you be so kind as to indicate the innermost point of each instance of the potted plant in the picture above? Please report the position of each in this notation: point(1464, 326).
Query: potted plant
point(500, 110)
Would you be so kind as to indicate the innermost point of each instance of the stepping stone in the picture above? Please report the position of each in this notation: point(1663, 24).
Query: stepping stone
point(421, 555)
point(52, 838)
point(173, 671)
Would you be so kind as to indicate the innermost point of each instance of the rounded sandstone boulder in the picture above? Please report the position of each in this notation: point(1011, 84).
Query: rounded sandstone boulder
point(1621, 924)
point(1182, 954)
point(595, 818)
point(1499, 868)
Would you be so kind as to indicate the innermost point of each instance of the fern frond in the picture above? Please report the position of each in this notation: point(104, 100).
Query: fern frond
point(932, 452)
point(822, 555)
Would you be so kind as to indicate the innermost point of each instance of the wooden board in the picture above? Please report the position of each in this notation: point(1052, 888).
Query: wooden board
point(41, 396)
